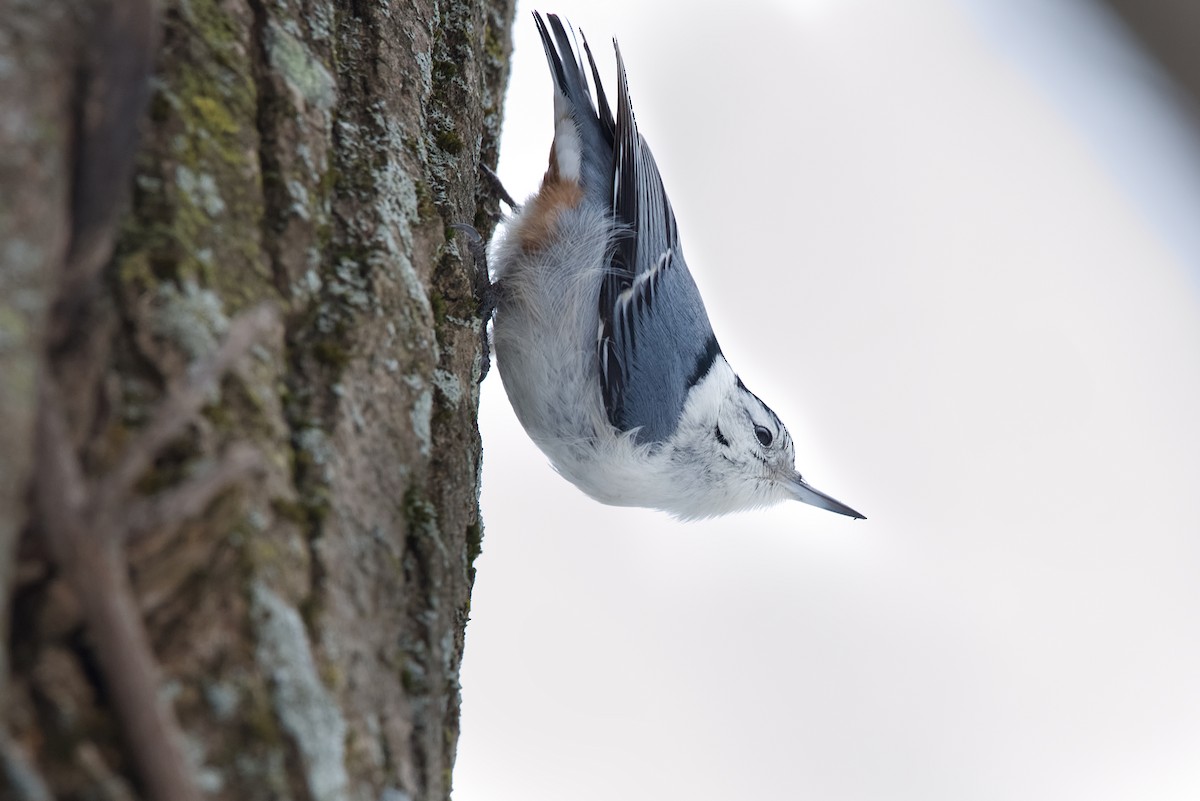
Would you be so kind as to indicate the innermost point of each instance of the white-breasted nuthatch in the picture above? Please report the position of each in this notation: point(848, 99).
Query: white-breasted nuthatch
point(603, 343)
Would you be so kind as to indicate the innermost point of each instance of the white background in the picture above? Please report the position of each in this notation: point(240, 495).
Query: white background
point(956, 246)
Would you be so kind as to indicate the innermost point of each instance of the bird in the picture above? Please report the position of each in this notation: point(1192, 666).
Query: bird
point(602, 340)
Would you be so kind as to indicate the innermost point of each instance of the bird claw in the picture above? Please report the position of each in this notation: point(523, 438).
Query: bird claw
point(497, 187)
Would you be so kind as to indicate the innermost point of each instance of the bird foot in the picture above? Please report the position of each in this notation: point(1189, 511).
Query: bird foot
point(497, 187)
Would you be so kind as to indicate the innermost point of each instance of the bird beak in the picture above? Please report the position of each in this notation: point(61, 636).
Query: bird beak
point(799, 489)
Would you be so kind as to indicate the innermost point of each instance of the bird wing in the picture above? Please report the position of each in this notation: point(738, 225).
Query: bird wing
point(655, 338)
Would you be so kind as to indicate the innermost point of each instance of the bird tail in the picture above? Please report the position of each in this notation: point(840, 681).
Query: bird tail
point(583, 128)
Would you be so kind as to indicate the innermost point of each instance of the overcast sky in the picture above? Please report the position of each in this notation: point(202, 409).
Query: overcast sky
point(956, 247)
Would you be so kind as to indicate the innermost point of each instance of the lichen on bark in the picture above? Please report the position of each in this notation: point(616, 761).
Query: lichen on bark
point(310, 624)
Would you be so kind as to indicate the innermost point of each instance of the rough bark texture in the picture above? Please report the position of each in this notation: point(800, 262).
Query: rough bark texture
point(308, 625)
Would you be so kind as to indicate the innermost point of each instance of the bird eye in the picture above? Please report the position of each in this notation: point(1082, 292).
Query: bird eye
point(764, 436)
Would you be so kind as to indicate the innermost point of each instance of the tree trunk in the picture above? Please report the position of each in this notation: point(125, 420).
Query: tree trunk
point(304, 625)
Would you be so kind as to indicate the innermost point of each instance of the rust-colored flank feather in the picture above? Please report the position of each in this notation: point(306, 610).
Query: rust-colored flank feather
point(540, 216)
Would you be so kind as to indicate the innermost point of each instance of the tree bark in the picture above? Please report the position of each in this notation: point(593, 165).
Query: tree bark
point(305, 625)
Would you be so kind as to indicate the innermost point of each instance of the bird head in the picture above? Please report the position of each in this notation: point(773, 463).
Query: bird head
point(740, 451)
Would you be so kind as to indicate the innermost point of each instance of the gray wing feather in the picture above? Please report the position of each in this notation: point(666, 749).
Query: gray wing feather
point(661, 345)
point(655, 338)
